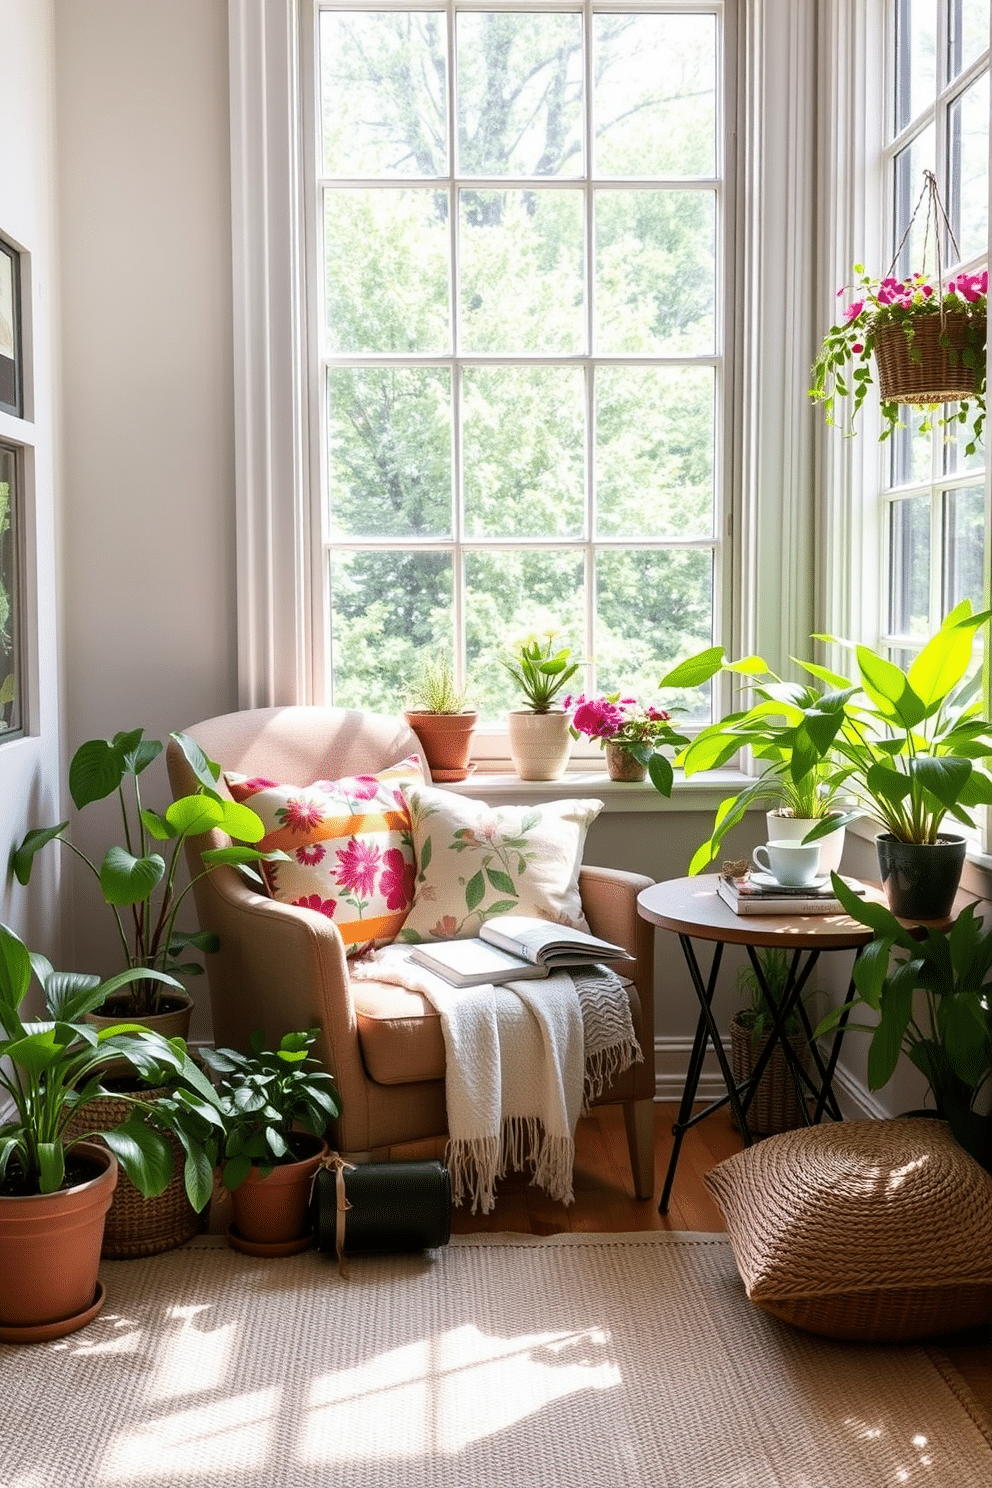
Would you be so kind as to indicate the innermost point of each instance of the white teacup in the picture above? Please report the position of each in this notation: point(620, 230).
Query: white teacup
point(792, 864)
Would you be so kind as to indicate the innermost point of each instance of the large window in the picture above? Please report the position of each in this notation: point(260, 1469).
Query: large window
point(522, 219)
point(933, 491)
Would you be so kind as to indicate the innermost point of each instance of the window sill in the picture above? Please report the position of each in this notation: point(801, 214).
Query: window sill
point(703, 792)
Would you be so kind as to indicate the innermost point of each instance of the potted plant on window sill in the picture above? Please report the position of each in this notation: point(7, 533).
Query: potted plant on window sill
point(58, 1160)
point(438, 711)
point(540, 742)
point(632, 737)
point(136, 883)
point(276, 1105)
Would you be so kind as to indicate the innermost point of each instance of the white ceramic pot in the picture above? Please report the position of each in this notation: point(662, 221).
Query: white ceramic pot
point(794, 828)
point(540, 744)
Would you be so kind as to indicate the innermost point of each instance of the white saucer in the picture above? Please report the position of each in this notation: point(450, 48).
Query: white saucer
point(766, 881)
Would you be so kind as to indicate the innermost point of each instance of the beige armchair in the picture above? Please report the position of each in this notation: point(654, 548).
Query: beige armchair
point(282, 967)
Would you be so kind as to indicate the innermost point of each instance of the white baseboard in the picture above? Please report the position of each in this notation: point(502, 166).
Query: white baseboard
point(671, 1061)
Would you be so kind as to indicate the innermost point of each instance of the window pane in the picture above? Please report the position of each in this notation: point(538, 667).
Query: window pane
point(511, 595)
point(654, 452)
point(916, 56)
point(386, 256)
point(655, 272)
point(909, 565)
point(968, 34)
point(523, 451)
point(968, 170)
point(518, 84)
point(964, 540)
point(909, 449)
point(910, 164)
point(388, 610)
point(957, 437)
point(379, 73)
point(653, 609)
point(389, 451)
point(10, 672)
point(655, 95)
point(522, 287)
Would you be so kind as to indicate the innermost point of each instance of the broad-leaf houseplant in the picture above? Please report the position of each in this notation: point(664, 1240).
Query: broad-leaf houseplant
point(52, 1173)
point(931, 994)
point(137, 883)
point(276, 1105)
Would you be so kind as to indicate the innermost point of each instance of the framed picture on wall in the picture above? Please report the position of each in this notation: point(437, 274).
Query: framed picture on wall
point(11, 394)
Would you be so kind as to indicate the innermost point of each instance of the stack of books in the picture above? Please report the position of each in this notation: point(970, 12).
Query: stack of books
point(758, 893)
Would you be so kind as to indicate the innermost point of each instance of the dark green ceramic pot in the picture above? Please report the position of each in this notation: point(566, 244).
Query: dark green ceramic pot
point(920, 879)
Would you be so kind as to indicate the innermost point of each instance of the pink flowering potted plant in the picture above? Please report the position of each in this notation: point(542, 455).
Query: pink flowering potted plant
point(927, 347)
point(631, 737)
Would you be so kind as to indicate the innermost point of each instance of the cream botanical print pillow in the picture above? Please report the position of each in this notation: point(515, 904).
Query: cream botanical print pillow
point(474, 861)
point(349, 844)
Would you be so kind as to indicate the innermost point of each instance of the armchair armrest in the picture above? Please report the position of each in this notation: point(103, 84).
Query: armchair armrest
point(609, 900)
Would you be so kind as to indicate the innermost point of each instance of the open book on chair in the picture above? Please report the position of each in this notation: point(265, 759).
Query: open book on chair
point(511, 947)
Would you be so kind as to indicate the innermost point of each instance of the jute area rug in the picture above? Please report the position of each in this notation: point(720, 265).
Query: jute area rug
point(597, 1361)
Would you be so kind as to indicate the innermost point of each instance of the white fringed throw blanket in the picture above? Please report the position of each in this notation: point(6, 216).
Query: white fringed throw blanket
point(522, 1060)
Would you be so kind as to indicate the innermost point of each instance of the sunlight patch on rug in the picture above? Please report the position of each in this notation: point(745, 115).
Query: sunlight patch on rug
point(443, 1393)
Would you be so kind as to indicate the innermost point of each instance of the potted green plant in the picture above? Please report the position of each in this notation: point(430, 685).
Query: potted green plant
point(788, 728)
point(775, 1105)
point(276, 1105)
point(911, 751)
point(439, 712)
point(907, 749)
point(632, 737)
point(539, 732)
point(931, 994)
point(927, 343)
point(138, 884)
point(56, 1181)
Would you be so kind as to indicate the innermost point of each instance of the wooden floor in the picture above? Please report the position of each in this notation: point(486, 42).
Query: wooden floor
point(604, 1202)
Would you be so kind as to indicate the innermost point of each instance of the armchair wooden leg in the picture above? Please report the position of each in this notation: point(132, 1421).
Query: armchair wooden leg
point(638, 1118)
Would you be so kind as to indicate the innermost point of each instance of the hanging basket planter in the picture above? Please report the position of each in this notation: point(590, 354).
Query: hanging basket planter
point(930, 359)
point(922, 336)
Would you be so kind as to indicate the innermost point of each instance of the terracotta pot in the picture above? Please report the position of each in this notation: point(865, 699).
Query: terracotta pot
point(275, 1210)
point(621, 765)
point(50, 1249)
point(920, 879)
point(446, 739)
point(540, 744)
point(794, 829)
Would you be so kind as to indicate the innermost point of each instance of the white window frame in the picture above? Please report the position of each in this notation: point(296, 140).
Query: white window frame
point(769, 603)
point(855, 213)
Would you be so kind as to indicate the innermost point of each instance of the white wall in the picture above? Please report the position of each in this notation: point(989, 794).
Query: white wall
point(29, 767)
point(144, 199)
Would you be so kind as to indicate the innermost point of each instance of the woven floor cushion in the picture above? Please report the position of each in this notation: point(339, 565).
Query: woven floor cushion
point(869, 1230)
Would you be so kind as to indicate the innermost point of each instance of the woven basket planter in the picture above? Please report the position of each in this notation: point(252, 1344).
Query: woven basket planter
point(929, 368)
point(775, 1106)
point(137, 1226)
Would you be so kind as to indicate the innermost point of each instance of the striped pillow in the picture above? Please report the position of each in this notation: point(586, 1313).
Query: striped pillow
point(350, 847)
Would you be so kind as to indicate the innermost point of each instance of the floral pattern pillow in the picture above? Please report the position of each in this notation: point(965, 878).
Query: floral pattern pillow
point(475, 861)
point(350, 848)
